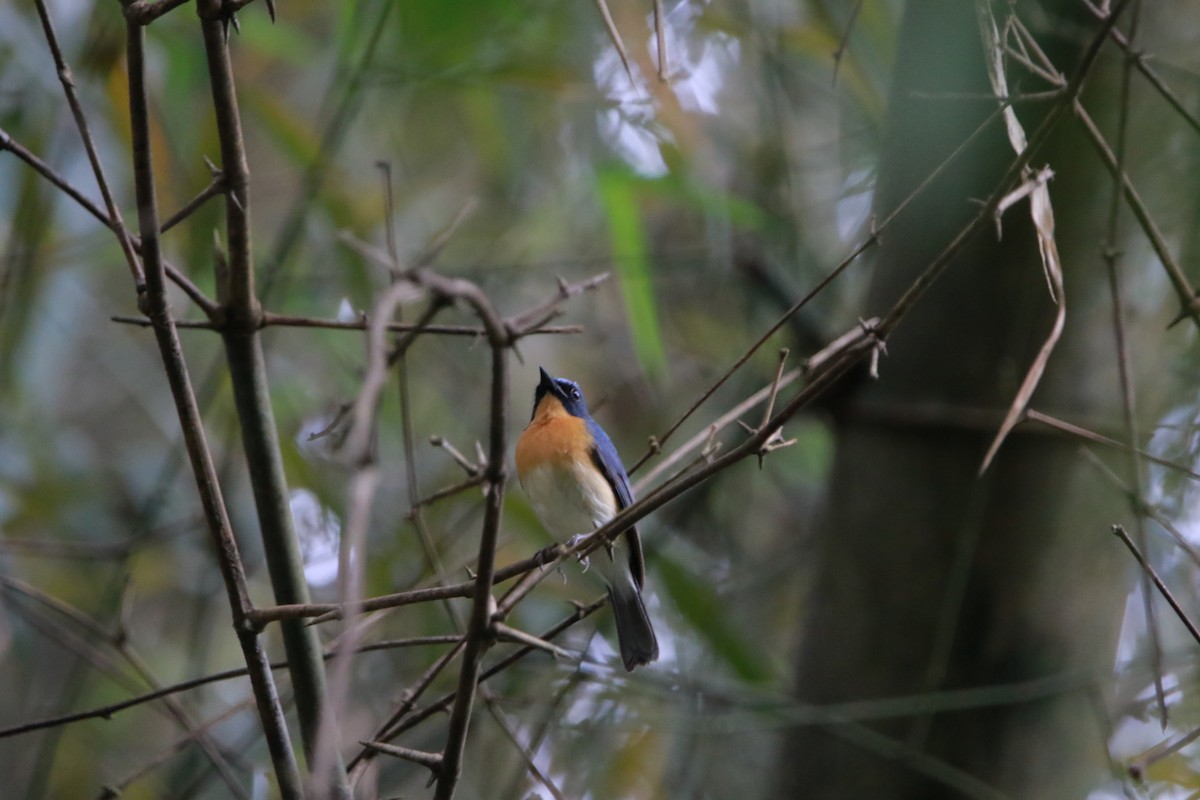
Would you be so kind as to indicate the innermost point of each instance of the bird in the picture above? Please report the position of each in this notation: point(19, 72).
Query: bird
point(575, 481)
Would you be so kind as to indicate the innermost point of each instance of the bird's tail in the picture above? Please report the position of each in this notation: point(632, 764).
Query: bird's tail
point(635, 634)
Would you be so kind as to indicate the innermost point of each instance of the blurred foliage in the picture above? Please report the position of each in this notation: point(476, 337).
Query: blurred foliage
point(753, 152)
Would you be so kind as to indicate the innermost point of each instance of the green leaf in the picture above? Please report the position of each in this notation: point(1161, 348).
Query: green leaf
point(619, 199)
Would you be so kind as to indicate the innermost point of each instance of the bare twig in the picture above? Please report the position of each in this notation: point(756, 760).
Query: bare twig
point(1128, 398)
point(444, 702)
point(1139, 62)
point(1138, 766)
point(118, 788)
point(1140, 507)
point(1034, 415)
point(526, 754)
point(532, 319)
point(720, 423)
point(252, 400)
point(478, 631)
point(267, 699)
point(615, 37)
point(1120, 532)
point(389, 728)
point(658, 441)
point(449, 491)
point(116, 223)
point(271, 319)
point(111, 709)
point(216, 186)
point(433, 761)
point(660, 42)
point(1179, 281)
point(511, 634)
point(46, 171)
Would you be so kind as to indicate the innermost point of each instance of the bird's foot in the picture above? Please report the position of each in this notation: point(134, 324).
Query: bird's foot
point(583, 559)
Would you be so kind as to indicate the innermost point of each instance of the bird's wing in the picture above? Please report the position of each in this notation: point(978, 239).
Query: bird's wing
point(604, 455)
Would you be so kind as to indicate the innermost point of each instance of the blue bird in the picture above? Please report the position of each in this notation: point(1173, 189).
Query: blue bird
point(573, 476)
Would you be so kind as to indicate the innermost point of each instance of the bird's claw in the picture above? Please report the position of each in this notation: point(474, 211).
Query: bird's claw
point(580, 557)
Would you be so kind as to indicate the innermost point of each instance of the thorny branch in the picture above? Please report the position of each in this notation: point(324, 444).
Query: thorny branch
point(275, 729)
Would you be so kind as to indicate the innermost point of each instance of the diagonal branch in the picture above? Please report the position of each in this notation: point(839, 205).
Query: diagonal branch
point(1179, 281)
point(66, 187)
point(114, 214)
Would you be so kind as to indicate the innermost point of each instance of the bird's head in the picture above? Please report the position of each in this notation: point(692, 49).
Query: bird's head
point(559, 390)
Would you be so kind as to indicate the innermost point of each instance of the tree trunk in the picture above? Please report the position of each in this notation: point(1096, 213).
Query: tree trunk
point(929, 578)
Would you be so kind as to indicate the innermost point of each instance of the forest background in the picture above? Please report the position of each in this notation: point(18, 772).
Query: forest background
point(889, 308)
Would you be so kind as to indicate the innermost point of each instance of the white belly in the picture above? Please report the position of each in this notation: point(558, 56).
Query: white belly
point(570, 499)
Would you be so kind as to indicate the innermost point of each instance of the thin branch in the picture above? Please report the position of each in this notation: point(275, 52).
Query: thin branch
point(444, 702)
point(526, 756)
point(775, 441)
point(267, 699)
point(442, 494)
point(615, 37)
point(660, 42)
point(478, 632)
point(720, 423)
point(357, 447)
point(510, 634)
point(1179, 281)
point(1139, 61)
point(111, 709)
point(252, 400)
point(529, 321)
point(432, 761)
point(1128, 398)
point(271, 319)
point(1138, 766)
point(116, 223)
point(1120, 532)
point(1013, 174)
point(1141, 508)
point(408, 700)
point(1083, 433)
point(46, 171)
point(658, 441)
point(118, 788)
point(216, 186)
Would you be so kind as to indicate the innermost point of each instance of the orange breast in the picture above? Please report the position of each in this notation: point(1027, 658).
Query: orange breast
point(553, 437)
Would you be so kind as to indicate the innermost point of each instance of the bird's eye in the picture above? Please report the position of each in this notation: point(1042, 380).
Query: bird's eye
point(575, 393)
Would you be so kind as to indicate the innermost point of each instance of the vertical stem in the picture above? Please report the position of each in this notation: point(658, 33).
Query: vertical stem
point(1128, 395)
point(479, 628)
point(248, 374)
point(262, 682)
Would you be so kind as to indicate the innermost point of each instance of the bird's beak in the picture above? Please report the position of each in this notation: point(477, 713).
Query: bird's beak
point(547, 382)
